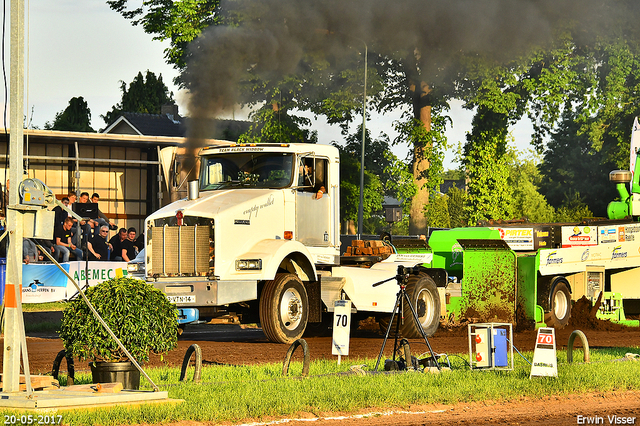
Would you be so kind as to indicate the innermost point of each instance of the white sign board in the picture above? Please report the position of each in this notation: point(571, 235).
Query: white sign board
point(579, 235)
point(545, 362)
point(634, 145)
point(517, 238)
point(618, 233)
point(44, 282)
point(576, 259)
point(341, 327)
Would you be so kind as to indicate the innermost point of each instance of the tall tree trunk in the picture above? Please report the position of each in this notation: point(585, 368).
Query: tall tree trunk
point(422, 112)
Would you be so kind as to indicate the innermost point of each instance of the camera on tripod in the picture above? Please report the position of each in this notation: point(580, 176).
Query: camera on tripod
point(407, 270)
point(402, 278)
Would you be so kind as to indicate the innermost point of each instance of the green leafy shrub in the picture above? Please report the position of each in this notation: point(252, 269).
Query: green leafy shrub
point(137, 313)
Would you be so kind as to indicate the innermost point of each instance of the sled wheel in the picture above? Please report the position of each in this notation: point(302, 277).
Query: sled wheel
point(560, 312)
point(284, 308)
point(423, 293)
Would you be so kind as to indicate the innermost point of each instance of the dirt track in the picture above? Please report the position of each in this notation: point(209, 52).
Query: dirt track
point(231, 344)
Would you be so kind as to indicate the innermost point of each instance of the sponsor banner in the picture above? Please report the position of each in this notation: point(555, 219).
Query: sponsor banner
point(413, 258)
point(579, 235)
point(619, 233)
point(44, 282)
point(517, 238)
point(634, 145)
point(576, 259)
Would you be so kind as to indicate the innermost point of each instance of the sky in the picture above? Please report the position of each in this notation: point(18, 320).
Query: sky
point(83, 48)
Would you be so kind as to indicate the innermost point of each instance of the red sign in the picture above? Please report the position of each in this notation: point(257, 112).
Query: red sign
point(545, 339)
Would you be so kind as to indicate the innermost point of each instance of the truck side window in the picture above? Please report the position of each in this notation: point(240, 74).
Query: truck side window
point(306, 176)
point(312, 174)
point(320, 177)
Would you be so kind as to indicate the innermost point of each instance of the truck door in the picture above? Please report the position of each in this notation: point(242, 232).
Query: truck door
point(313, 213)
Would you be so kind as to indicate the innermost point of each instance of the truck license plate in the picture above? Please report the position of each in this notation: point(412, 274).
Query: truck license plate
point(182, 299)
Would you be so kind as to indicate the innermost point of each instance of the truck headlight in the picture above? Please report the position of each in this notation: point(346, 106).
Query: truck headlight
point(249, 264)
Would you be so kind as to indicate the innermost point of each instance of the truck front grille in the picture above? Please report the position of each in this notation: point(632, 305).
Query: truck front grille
point(181, 251)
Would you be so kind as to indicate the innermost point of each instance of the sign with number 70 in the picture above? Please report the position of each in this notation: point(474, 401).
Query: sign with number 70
point(341, 327)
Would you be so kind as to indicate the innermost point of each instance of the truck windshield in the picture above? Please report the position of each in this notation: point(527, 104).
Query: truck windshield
point(246, 169)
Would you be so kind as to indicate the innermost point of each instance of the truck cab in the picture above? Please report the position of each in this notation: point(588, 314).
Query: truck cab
point(258, 212)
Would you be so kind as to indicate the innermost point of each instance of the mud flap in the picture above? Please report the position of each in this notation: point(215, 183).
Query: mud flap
point(315, 301)
point(489, 281)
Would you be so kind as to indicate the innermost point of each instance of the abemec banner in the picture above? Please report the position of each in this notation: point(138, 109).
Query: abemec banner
point(44, 282)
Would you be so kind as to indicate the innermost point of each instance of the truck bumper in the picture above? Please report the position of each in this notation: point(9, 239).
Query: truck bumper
point(188, 294)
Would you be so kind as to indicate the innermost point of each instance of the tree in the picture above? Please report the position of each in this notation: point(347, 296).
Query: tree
point(571, 165)
point(390, 176)
point(179, 21)
point(524, 180)
point(350, 190)
point(273, 49)
point(272, 124)
point(145, 95)
point(76, 117)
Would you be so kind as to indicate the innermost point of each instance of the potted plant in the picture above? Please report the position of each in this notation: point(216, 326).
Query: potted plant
point(137, 313)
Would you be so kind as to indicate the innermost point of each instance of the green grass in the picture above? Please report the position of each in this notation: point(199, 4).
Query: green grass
point(39, 307)
point(240, 393)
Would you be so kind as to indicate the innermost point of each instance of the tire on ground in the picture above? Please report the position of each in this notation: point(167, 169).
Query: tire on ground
point(423, 293)
point(284, 308)
point(558, 316)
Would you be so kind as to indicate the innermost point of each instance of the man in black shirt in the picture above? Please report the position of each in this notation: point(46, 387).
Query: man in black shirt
point(129, 250)
point(116, 244)
point(62, 241)
point(61, 214)
point(98, 245)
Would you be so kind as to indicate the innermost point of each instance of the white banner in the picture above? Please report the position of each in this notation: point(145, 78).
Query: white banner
point(634, 145)
point(44, 282)
point(576, 259)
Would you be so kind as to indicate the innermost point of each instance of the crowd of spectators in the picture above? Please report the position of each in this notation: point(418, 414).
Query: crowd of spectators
point(94, 244)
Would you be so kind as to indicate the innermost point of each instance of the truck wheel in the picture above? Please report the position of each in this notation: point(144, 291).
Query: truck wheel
point(284, 308)
point(423, 293)
point(560, 312)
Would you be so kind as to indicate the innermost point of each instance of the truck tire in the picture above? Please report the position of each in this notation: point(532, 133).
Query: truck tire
point(560, 312)
point(284, 308)
point(423, 293)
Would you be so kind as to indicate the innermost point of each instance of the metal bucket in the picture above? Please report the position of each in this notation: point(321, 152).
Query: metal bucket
point(116, 372)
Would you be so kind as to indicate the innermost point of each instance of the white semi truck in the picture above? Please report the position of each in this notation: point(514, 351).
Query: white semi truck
point(259, 235)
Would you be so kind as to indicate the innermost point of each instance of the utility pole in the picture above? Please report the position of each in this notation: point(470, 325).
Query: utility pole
point(14, 339)
point(364, 122)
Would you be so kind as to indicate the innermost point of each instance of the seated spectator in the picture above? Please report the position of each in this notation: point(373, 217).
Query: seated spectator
point(129, 250)
point(29, 251)
point(102, 218)
point(90, 225)
point(61, 214)
point(62, 241)
point(116, 244)
point(47, 245)
point(98, 246)
point(139, 242)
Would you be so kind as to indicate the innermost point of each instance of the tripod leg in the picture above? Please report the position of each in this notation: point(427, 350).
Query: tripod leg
point(424, 335)
point(386, 334)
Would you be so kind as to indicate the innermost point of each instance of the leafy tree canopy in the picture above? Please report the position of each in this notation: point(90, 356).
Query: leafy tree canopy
point(76, 117)
point(145, 95)
point(179, 21)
